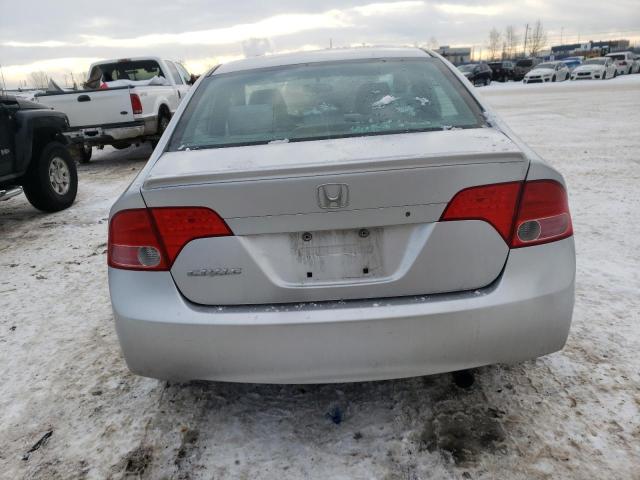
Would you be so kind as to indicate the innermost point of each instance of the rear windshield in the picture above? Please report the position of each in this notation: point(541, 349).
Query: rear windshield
point(128, 70)
point(325, 100)
point(617, 57)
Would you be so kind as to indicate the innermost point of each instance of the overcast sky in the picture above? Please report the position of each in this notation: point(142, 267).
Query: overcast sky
point(66, 36)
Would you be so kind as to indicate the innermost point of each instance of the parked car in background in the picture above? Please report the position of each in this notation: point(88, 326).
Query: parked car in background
point(337, 216)
point(502, 71)
point(34, 157)
point(523, 66)
point(625, 62)
point(572, 62)
point(477, 73)
point(129, 101)
point(547, 72)
point(599, 68)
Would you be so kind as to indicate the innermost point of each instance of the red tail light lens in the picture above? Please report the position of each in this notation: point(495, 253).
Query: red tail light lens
point(543, 215)
point(178, 226)
point(136, 104)
point(495, 204)
point(134, 243)
point(151, 239)
point(524, 214)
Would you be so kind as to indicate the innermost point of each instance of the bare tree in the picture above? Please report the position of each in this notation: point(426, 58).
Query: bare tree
point(39, 79)
point(511, 40)
point(538, 39)
point(433, 44)
point(494, 43)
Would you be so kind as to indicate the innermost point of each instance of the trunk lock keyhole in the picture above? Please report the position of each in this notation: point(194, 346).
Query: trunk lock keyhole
point(306, 236)
point(364, 233)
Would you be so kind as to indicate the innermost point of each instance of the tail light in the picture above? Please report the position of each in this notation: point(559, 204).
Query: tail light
point(623, 63)
point(523, 213)
point(151, 239)
point(136, 104)
point(495, 204)
point(543, 214)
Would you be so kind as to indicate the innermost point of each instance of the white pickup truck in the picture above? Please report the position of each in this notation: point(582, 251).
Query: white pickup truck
point(127, 101)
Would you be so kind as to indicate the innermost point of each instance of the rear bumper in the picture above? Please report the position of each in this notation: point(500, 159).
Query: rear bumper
point(524, 314)
point(100, 135)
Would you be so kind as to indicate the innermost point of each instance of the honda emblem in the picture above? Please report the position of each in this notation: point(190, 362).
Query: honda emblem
point(333, 196)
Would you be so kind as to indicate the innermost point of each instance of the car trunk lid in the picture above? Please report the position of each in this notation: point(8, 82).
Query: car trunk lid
point(337, 219)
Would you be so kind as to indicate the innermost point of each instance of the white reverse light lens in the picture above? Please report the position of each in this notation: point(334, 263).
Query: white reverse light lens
point(529, 231)
point(148, 256)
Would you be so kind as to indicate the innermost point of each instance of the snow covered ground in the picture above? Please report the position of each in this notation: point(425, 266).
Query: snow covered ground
point(574, 414)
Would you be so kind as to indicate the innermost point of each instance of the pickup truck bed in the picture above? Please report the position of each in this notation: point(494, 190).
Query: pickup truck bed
point(121, 115)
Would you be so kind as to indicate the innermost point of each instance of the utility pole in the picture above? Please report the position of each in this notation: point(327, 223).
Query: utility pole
point(4, 85)
point(561, 35)
point(526, 34)
point(330, 43)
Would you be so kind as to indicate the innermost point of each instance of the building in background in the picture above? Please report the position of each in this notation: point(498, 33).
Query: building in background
point(590, 48)
point(456, 55)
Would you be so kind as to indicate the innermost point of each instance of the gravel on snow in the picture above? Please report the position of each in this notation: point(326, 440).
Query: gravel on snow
point(572, 414)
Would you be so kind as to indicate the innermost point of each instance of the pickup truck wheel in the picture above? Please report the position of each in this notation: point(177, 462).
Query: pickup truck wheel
point(120, 146)
point(163, 122)
point(51, 182)
point(85, 153)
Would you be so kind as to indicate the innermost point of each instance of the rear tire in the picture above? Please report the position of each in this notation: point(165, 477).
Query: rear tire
point(163, 122)
point(85, 153)
point(51, 183)
point(120, 146)
point(463, 378)
point(553, 79)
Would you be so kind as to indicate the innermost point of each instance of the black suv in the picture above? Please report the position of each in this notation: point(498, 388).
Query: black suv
point(476, 73)
point(524, 66)
point(502, 71)
point(34, 156)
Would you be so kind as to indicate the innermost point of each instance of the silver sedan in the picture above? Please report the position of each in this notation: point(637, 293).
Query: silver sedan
point(334, 216)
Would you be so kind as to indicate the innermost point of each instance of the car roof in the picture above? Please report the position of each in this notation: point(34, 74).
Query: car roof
point(328, 55)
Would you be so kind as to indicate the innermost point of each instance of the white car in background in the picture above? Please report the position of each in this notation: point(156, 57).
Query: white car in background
point(599, 68)
point(625, 62)
point(548, 72)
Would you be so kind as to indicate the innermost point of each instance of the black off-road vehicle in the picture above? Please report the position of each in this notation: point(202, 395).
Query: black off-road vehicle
point(34, 155)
